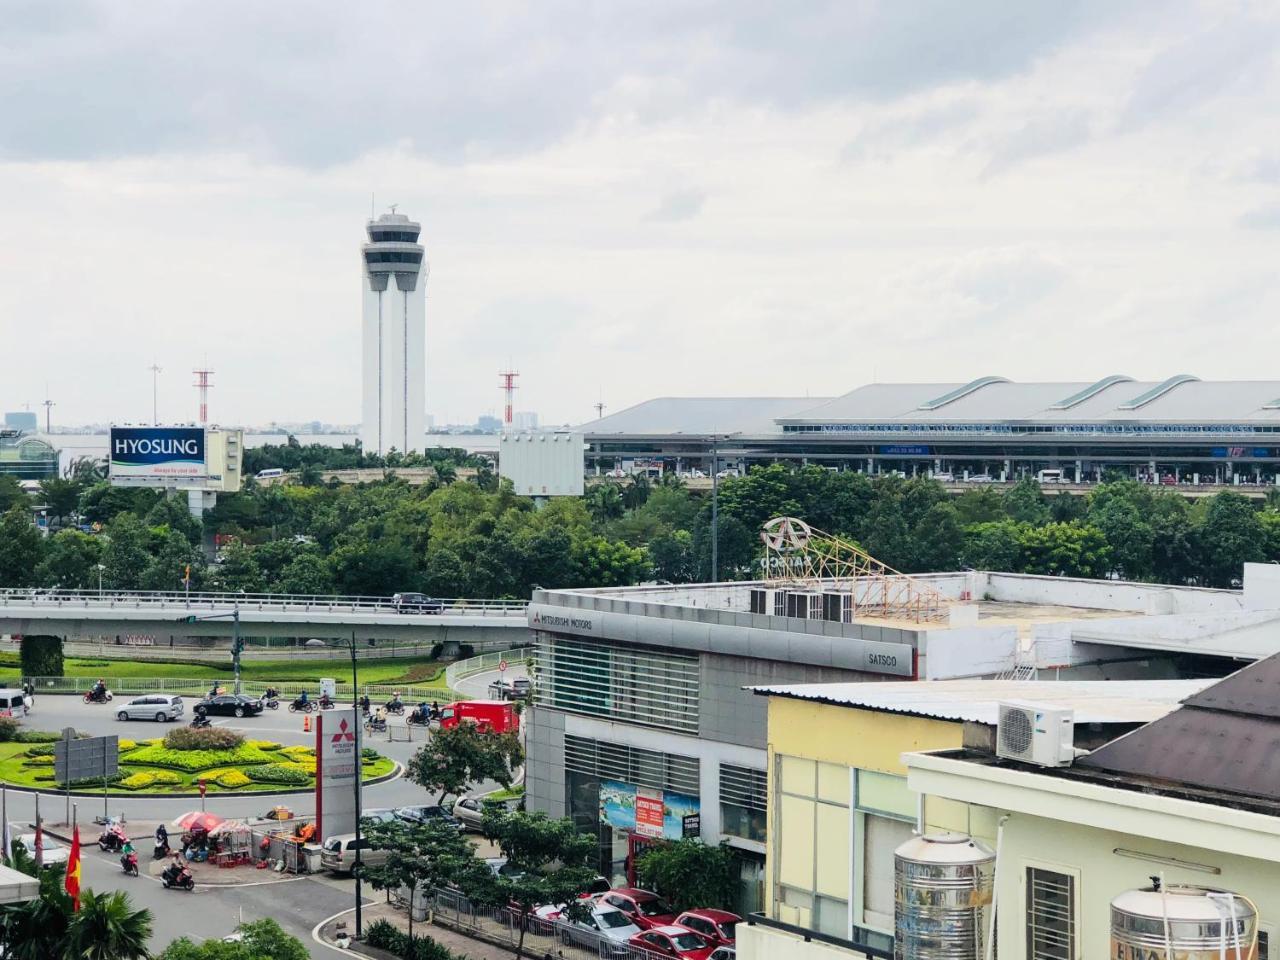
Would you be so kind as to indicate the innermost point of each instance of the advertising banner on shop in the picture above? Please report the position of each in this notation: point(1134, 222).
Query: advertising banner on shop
point(337, 761)
point(646, 811)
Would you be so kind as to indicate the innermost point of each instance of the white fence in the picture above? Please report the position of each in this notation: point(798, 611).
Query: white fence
point(485, 663)
point(133, 686)
point(266, 602)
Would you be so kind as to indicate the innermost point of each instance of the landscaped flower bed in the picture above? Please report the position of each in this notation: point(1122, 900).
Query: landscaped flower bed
point(224, 760)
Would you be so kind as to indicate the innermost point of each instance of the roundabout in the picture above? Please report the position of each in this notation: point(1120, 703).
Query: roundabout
point(151, 768)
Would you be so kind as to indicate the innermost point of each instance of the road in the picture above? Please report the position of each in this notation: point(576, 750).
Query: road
point(298, 904)
point(477, 687)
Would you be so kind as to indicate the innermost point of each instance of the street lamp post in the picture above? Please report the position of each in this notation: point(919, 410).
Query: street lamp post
point(355, 699)
point(101, 567)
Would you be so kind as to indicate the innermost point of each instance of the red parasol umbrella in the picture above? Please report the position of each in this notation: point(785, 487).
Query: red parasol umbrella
point(198, 818)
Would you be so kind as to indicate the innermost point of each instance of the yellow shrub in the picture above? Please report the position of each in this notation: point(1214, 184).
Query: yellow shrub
point(231, 779)
point(138, 781)
point(126, 745)
point(265, 744)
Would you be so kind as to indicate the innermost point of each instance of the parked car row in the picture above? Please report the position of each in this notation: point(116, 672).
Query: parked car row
point(338, 853)
point(628, 918)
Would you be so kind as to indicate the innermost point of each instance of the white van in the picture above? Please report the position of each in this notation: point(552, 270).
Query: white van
point(268, 474)
point(13, 703)
point(1049, 476)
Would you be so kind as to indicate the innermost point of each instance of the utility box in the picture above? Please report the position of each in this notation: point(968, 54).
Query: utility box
point(328, 687)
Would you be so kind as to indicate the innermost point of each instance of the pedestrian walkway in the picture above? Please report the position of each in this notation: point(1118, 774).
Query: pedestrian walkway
point(462, 945)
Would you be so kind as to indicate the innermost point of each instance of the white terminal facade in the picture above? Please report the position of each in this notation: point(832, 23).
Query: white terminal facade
point(394, 326)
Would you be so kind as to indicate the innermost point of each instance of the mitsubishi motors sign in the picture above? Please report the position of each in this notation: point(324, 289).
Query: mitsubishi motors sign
point(337, 763)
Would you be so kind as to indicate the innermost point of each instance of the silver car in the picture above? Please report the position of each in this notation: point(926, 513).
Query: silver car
point(605, 931)
point(155, 706)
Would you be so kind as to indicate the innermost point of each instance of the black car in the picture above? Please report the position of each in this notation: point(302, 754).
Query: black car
point(416, 603)
point(230, 705)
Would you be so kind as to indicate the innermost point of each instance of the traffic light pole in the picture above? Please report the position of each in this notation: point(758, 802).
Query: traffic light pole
point(235, 643)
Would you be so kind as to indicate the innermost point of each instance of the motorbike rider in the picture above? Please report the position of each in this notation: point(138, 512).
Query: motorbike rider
point(435, 710)
point(99, 690)
point(380, 716)
point(271, 694)
point(364, 704)
point(162, 840)
point(394, 703)
point(325, 701)
point(302, 699)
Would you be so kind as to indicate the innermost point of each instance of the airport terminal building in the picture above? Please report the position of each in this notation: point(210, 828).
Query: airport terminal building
point(1180, 430)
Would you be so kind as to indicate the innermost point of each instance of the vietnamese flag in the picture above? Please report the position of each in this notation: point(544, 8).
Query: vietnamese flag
point(73, 870)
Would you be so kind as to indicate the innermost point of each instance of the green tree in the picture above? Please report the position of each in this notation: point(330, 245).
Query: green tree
point(310, 475)
point(446, 472)
point(546, 863)
point(981, 505)
point(11, 494)
point(454, 759)
point(102, 502)
point(1064, 550)
point(443, 575)
point(937, 539)
point(419, 855)
point(368, 568)
point(307, 573)
point(41, 656)
point(993, 546)
point(673, 557)
point(36, 929)
point(1129, 537)
point(106, 927)
point(126, 556)
point(761, 495)
point(605, 502)
point(21, 548)
point(1230, 536)
point(60, 496)
point(71, 561)
point(174, 558)
point(689, 874)
point(1026, 503)
point(172, 513)
point(238, 570)
point(1174, 555)
point(260, 940)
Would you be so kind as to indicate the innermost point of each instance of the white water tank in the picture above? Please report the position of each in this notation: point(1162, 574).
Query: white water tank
point(1189, 923)
point(942, 897)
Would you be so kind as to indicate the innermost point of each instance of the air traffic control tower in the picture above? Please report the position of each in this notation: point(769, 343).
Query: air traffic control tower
point(394, 364)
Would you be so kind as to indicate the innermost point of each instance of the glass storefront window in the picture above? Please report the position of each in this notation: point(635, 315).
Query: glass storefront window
point(743, 822)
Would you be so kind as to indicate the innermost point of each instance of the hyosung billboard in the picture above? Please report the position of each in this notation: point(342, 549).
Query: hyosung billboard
point(160, 453)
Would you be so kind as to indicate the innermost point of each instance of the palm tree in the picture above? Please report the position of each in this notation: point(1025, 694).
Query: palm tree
point(108, 928)
point(446, 472)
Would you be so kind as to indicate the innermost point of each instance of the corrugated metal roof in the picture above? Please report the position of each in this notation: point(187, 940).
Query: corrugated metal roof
point(702, 416)
point(1225, 738)
point(1094, 701)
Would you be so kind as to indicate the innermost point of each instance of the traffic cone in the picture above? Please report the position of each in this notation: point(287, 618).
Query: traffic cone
point(306, 723)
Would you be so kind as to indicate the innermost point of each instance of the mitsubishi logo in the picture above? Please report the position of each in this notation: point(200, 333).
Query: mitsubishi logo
point(537, 616)
point(343, 733)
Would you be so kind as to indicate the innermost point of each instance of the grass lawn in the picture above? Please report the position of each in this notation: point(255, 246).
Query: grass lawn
point(416, 670)
point(15, 770)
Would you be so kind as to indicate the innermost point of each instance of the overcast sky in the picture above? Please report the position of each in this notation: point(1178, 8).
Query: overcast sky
point(629, 200)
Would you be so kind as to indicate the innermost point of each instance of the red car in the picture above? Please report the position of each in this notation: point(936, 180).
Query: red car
point(670, 940)
point(645, 908)
point(714, 926)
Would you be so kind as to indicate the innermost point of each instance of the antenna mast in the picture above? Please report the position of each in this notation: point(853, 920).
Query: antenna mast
point(509, 387)
point(203, 383)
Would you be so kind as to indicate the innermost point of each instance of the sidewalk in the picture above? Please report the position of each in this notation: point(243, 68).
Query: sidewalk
point(463, 946)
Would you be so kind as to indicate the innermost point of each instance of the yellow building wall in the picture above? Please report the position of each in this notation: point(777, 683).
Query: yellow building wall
point(864, 739)
point(868, 739)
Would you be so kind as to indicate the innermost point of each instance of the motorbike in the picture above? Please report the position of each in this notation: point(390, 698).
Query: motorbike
point(307, 707)
point(201, 720)
point(396, 708)
point(161, 850)
point(271, 704)
point(129, 863)
point(373, 725)
point(91, 697)
point(326, 703)
point(178, 877)
point(112, 841)
point(420, 719)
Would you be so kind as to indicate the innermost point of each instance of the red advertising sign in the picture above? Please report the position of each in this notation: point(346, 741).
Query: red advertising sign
point(649, 812)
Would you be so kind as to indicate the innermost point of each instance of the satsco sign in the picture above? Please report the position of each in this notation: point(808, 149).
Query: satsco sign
point(161, 452)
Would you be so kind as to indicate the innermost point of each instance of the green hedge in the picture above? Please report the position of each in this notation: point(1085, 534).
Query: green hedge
point(386, 936)
point(277, 773)
point(38, 736)
point(40, 750)
point(210, 738)
point(193, 761)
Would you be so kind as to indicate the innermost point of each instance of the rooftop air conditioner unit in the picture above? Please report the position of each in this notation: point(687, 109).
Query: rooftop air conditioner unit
point(1035, 733)
point(804, 604)
point(772, 603)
